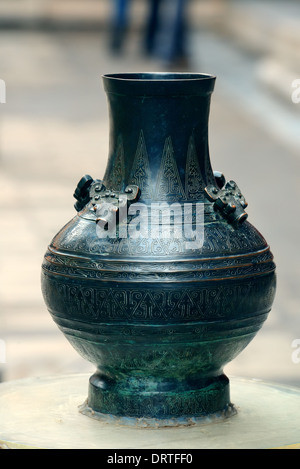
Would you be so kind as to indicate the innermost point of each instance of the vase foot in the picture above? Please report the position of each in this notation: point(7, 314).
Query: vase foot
point(143, 403)
point(148, 422)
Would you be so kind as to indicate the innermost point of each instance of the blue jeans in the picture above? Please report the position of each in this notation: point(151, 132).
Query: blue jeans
point(166, 29)
point(121, 13)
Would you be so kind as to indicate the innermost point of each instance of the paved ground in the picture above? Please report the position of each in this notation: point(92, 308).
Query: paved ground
point(54, 128)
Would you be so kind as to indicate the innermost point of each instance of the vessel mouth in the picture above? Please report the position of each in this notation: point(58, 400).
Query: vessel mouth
point(159, 76)
point(159, 84)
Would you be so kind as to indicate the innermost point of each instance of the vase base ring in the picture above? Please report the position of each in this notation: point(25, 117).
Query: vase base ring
point(183, 404)
point(148, 422)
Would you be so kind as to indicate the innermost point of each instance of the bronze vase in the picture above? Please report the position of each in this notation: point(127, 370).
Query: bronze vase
point(159, 280)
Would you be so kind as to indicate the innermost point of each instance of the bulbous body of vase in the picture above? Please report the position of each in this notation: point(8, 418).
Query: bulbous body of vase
point(159, 303)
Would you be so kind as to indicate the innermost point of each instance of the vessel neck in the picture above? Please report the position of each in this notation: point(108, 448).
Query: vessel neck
point(159, 137)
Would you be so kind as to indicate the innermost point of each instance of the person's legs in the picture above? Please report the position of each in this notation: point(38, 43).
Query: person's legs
point(121, 13)
point(119, 24)
point(152, 25)
point(170, 43)
point(178, 45)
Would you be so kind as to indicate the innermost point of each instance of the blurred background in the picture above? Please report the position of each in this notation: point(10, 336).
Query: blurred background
point(54, 129)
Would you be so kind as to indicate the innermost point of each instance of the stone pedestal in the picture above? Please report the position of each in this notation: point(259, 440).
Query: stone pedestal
point(44, 413)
